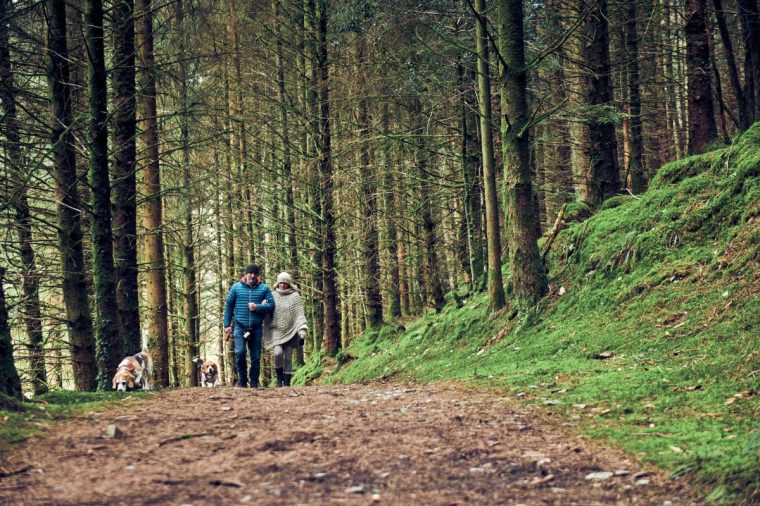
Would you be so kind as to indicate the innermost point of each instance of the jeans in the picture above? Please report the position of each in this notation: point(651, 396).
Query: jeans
point(254, 348)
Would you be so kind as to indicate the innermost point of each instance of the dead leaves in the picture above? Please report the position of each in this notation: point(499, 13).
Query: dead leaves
point(746, 394)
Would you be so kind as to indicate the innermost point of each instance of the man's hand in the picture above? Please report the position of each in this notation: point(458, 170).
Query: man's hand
point(252, 306)
point(227, 333)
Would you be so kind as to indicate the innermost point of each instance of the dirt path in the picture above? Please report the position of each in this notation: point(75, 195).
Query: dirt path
point(358, 444)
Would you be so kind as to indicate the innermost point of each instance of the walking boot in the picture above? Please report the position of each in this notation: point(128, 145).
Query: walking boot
point(255, 373)
point(280, 376)
point(286, 378)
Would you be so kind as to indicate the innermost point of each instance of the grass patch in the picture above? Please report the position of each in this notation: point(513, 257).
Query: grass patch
point(22, 420)
point(669, 284)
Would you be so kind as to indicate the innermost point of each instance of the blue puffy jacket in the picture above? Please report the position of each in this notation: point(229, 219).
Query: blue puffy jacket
point(239, 296)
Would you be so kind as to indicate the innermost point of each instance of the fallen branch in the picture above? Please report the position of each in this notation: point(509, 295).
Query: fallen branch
point(554, 232)
point(225, 483)
point(5, 474)
point(182, 437)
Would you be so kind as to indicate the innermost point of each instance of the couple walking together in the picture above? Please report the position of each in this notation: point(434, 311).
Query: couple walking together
point(277, 317)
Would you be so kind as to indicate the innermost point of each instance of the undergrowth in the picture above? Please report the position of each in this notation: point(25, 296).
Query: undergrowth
point(668, 283)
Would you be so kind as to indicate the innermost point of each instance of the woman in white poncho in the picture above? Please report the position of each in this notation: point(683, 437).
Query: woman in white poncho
point(286, 330)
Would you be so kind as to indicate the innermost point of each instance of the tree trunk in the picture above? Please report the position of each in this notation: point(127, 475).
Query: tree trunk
point(371, 255)
point(189, 277)
point(529, 282)
point(30, 282)
point(430, 281)
point(245, 230)
point(748, 10)
point(470, 235)
point(221, 293)
point(287, 165)
point(733, 72)
point(559, 153)
point(110, 347)
point(155, 291)
point(311, 78)
point(389, 215)
point(635, 170)
point(124, 181)
point(702, 130)
point(10, 383)
point(723, 110)
point(330, 300)
point(603, 178)
point(74, 282)
point(493, 229)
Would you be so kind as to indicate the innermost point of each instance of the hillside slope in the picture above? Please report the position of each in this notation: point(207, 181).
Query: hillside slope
point(668, 284)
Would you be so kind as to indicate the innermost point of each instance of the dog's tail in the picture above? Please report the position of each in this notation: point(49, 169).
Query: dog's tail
point(144, 340)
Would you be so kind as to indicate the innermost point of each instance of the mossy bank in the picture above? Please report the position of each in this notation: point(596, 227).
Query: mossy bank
point(650, 340)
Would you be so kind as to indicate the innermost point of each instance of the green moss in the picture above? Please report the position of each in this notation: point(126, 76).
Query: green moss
point(577, 211)
point(617, 201)
point(677, 171)
point(667, 282)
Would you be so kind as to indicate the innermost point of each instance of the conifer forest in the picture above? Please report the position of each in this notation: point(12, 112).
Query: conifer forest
point(534, 196)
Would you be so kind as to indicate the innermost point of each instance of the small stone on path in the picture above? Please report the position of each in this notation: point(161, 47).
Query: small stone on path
point(600, 476)
point(113, 431)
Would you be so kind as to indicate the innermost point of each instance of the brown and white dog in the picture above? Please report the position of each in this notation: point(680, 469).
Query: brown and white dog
point(133, 371)
point(209, 372)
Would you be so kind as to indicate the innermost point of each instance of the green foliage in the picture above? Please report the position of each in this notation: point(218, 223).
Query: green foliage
point(666, 282)
point(310, 371)
point(599, 114)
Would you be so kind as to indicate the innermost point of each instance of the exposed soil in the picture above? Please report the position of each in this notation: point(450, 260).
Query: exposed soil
point(357, 444)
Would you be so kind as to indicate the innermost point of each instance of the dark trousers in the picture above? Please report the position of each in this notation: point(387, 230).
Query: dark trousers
point(254, 348)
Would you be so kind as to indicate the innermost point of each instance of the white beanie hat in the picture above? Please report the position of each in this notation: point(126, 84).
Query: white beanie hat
point(284, 277)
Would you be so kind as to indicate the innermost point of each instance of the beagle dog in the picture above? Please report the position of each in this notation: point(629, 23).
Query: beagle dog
point(209, 372)
point(133, 371)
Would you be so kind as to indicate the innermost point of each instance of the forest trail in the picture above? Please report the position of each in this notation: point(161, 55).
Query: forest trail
point(354, 444)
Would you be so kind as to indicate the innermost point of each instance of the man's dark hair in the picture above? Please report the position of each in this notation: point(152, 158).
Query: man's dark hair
point(252, 269)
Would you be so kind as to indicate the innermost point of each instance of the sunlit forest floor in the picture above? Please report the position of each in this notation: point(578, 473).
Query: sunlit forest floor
point(649, 341)
point(356, 444)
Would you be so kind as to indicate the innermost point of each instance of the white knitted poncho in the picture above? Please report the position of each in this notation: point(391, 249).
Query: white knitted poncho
point(288, 318)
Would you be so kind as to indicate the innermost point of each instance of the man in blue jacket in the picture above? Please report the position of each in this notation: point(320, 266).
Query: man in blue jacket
point(248, 301)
